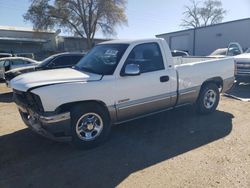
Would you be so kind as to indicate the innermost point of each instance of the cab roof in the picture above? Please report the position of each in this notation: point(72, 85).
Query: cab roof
point(132, 41)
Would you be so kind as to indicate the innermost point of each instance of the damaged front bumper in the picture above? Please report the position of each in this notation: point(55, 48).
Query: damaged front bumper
point(55, 127)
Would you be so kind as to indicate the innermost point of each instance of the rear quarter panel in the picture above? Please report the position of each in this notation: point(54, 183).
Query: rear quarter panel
point(193, 75)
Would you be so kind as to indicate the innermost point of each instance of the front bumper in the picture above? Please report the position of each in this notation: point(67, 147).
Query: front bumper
point(55, 127)
point(243, 78)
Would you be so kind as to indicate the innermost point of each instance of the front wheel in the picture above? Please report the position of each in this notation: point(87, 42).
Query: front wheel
point(208, 99)
point(90, 125)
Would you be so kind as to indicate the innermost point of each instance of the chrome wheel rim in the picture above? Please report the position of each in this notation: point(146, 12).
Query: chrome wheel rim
point(89, 126)
point(210, 99)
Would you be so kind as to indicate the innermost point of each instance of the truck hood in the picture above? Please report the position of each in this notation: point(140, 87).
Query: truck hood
point(57, 76)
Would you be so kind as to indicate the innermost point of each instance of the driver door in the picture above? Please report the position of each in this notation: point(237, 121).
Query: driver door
point(148, 92)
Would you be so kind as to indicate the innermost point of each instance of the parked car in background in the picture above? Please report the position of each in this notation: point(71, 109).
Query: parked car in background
point(117, 81)
point(233, 49)
point(242, 73)
point(2, 55)
point(61, 60)
point(10, 63)
point(220, 52)
point(28, 55)
point(242, 60)
point(179, 53)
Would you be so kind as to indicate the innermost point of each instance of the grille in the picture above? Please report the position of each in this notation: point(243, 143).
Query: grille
point(243, 68)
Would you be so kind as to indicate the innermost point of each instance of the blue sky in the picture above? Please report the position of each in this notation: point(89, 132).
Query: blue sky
point(146, 18)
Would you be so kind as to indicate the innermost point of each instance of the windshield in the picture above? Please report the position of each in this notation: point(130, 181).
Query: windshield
point(102, 59)
point(46, 61)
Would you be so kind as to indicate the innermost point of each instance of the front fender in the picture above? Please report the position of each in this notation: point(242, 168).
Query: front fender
point(53, 96)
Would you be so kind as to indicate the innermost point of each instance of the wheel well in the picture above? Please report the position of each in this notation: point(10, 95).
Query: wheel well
point(68, 106)
point(217, 80)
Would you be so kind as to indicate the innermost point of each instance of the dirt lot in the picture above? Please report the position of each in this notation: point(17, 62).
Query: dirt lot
point(171, 149)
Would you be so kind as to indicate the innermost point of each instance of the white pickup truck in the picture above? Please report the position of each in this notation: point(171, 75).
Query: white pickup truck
point(116, 81)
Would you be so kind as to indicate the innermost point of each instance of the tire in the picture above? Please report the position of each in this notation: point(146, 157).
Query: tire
point(90, 125)
point(209, 98)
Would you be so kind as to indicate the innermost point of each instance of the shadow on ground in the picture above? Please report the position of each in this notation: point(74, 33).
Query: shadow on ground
point(6, 97)
point(239, 91)
point(28, 160)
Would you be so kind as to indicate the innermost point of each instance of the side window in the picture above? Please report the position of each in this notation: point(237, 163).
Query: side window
point(233, 50)
point(1, 63)
point(26, 62)
point(17, 62)
point(147, 56)
point(75, 59)
point(7, 63)
point(62, 61)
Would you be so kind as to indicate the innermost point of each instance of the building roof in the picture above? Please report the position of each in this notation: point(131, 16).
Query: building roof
point(77, 37)
point(214, 25)
point(23, 29)
point(26, 40)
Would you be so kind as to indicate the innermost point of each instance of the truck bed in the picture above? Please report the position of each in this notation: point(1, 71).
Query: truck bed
point(191, 76)
point(191, 59)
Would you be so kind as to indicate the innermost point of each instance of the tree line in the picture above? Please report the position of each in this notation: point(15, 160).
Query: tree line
point(85, 18)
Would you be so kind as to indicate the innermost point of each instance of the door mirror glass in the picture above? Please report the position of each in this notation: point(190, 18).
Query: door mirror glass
point(132, 70)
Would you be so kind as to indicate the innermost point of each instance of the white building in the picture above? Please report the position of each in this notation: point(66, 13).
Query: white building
point(204, 40)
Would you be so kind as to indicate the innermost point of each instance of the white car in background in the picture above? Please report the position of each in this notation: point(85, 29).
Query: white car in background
point(242, 73)
point(233, 49)
point(242, 60)
point(10, 63)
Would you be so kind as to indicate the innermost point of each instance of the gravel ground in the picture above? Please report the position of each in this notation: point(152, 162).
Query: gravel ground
point(172, 149)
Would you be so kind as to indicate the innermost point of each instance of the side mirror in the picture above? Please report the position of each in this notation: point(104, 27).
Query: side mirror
point(132, 70)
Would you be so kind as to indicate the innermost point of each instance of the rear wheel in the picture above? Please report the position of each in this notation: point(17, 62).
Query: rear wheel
point(90, 125)
point(208, 99)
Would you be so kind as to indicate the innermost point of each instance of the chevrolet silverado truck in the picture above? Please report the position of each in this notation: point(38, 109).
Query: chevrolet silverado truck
point(117, 81)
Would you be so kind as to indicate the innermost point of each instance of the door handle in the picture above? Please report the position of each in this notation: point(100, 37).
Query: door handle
point(164, 78)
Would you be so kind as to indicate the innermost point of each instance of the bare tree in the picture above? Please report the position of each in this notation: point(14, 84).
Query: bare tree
point(208, 13)
point(192, 15)
point(83, 17)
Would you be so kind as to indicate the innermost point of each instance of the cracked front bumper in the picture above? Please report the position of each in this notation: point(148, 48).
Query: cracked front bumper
point(55, 127)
